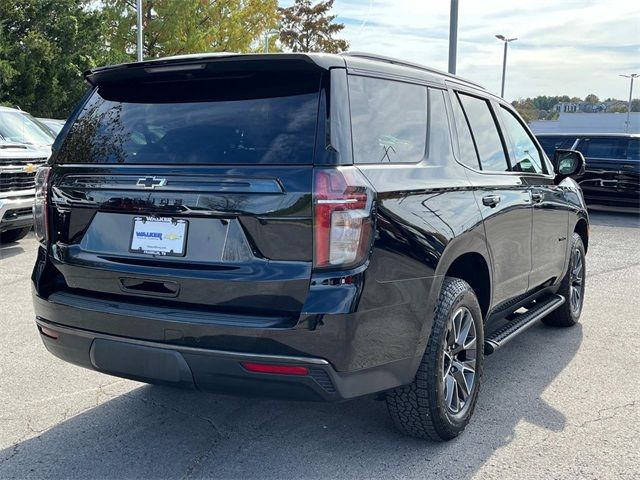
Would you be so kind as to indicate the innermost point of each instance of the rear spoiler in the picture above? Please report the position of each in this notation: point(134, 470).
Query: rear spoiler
point(211, 63)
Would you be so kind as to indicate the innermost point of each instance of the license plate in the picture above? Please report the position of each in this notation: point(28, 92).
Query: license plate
point(159, 236)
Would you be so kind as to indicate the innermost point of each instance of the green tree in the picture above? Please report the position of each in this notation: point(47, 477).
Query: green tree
point(635, 105)
point(618, 108)
point(175, 27)
point(307, 27)
point(592, 98)
point(45, 46)
point(527, 109)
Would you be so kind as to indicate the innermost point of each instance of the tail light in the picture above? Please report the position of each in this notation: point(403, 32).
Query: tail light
point(342, 203)
point(40, 205)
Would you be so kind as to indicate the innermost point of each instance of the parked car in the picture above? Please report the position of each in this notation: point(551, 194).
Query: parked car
point(305, 226)
point(17, 126)
point(612, 174)
point(53, 124)
point(24, 146)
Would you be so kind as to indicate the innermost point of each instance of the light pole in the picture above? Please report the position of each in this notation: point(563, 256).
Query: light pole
point(267, 34)
point(632, 76)
point(453, 36)
point(139, 32)
point(504, 60)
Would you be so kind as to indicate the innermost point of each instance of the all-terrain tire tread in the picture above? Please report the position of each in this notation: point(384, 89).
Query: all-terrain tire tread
point(412, 407)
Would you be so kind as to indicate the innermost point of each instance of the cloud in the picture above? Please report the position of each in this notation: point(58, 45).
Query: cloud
point(563, 47)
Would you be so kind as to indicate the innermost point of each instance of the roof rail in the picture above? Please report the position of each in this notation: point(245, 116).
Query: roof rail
point(396, 61)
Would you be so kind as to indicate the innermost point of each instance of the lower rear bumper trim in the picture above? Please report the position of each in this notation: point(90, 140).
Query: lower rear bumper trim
point(216, 370)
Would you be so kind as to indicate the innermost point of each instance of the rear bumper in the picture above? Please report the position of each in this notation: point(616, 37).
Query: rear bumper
point(216, 370)
point(15, 212)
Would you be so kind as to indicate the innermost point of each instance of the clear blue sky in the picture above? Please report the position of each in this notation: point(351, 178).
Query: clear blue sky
point(564, 46)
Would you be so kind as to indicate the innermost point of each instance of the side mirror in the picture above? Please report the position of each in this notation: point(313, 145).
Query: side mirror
point(567, 163)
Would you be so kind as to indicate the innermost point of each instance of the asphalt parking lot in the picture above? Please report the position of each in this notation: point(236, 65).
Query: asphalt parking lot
point(555, 403)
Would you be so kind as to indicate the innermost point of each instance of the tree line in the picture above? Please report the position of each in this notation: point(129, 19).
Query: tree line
point(542, 106)
point(46, 45)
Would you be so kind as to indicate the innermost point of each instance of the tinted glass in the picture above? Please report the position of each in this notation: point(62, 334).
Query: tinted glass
point(18, 127)
point(485, 134)
point(388, 120)
point(525, 156)
point(439, 136)
point(468, 154)
point(243, 119)
point(633, 152)
point(551, 143)
point(604, 147)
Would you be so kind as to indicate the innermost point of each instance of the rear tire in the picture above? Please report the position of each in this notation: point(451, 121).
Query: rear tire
point(571, 288)
point(439, 402)
point(11, 236)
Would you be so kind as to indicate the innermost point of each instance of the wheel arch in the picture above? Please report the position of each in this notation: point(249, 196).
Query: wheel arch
point(582, 229)
point(468, 259)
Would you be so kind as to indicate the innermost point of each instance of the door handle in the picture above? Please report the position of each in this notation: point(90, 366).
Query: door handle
point(536, 197)
point(627, 167)
point(491, 200)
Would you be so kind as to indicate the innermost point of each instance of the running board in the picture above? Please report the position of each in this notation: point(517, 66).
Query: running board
point(522, 322)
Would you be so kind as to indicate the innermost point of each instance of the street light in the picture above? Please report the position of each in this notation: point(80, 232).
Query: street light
point(632, 76)
point(504, 60)
point(139, 30)
point(267, 34)
point(453, 36)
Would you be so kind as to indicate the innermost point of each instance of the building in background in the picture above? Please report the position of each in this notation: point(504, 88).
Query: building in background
point(588, 123)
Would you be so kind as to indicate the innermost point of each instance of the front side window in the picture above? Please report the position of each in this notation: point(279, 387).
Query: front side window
point(525, 156)
point(388, 120)
point(485, 133)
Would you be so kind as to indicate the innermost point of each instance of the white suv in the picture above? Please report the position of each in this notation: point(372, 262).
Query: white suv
point(24, 146)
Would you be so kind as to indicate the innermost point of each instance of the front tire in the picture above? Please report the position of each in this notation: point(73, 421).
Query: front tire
point(439, 402)
point(571, 288)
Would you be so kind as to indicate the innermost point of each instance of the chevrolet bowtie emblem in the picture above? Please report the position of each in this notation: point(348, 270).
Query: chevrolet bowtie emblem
point(151, 182)
point(29, 168)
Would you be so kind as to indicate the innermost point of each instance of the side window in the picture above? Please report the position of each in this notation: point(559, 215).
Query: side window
point(604, 147)
point(439, 133)
point(633, 151)
point(552, 142)
point(485, 133)
point(525, 156)
point(468, 154)
point(388, 120)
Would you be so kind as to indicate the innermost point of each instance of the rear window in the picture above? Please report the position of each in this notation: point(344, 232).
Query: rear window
point(232, 119)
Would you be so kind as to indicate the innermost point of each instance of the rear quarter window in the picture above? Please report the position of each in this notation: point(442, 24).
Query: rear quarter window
point(232, 119)
point(388, 120)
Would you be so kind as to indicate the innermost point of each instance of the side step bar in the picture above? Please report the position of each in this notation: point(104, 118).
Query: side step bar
point(499, 337)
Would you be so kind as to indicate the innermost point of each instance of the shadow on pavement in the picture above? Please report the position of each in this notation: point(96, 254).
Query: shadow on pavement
point(10, 249)
point(161, 432)
point(614, 219)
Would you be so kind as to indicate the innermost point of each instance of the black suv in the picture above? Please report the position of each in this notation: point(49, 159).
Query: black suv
point(612, 173)
point(308, 226)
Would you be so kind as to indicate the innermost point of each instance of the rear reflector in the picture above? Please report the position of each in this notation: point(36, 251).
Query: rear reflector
point(47, 332)
point(276, 369)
